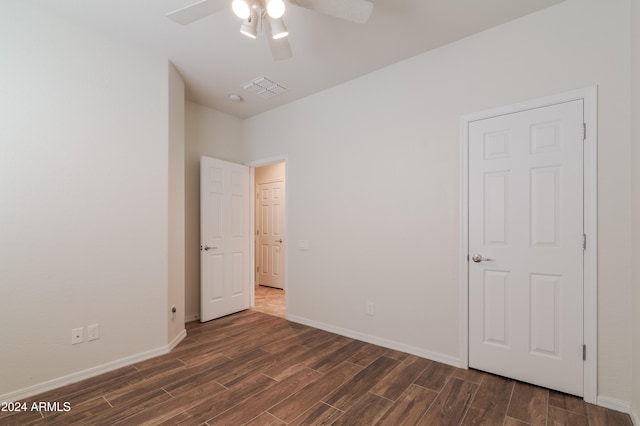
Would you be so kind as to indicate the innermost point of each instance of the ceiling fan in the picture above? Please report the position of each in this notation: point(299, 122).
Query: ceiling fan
point(266, 16)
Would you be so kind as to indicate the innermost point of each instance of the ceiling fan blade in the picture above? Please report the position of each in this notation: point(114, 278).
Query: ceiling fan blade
point(280, 48)
point(352, 10)
point(196, 11)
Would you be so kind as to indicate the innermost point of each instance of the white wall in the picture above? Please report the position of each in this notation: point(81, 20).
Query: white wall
point(83, 190)
point(635, 168)
point(176, 271)
point(213, 134)
point(373, 175)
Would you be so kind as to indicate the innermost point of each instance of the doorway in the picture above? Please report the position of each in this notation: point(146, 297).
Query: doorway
point(529, 241)
point(269, 182)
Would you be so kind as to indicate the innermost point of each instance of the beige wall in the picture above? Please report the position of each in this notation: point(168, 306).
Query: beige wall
point(176, 258)
point(373, 179)
point(635, 168)
point(213, 134)
point(84, 183)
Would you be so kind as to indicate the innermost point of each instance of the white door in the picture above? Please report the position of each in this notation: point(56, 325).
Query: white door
point(225, 238)
point(270, 230)
point(526, 228)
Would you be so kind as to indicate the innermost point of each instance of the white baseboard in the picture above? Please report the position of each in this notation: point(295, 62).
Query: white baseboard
point(614, 404)
point(172, 344)
point(36, 389)
point(434, 356)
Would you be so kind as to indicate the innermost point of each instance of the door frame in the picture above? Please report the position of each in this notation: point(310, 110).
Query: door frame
point(589, 95)
point(252, 189)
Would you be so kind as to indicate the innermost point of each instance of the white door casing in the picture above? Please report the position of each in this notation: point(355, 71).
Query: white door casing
point(225, 238)
point(589, 96)
point(526, 214)
point(270, 198)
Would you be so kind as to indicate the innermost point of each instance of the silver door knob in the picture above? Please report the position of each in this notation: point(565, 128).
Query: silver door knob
point(279, 241)
point(478, 258)
point(207, 248)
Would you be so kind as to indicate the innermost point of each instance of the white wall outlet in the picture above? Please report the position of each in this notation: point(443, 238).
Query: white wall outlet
point(93, 332)
point(371, 308)
point(77, 335)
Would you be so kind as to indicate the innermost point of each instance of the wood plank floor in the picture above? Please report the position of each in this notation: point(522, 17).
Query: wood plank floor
point(256, 369)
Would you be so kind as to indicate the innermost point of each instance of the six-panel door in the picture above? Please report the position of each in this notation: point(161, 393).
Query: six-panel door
point(526, 215)
point(225, 238)
point(271, 238)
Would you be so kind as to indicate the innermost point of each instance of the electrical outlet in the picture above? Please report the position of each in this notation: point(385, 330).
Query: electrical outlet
point(371, 308)
point(93, 332)
point(77, 335)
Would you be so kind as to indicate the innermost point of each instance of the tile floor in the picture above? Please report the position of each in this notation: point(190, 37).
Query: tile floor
point(270, 301)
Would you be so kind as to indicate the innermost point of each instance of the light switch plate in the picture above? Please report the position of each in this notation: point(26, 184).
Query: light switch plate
point(93, 332)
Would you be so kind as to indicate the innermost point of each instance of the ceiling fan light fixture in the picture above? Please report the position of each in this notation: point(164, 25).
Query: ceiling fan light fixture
point(249, 30)
point(242, 8)
point(278, 29)
point(275, 8)
point(250, 26)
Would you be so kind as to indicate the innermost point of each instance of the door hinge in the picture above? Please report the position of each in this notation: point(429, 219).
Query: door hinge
point(584, 352)
point(584, 241)
point(584, 131)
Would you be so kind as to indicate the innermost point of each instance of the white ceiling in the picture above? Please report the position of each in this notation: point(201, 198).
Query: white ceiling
point(216, 60)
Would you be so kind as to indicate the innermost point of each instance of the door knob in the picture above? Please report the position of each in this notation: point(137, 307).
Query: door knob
point(207, 248)
point(478, 258)
point(279, 241)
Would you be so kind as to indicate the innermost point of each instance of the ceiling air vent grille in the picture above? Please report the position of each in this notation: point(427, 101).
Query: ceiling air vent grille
point(264, 87)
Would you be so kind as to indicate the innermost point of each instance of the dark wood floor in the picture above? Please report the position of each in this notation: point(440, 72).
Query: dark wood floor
point(257, 369)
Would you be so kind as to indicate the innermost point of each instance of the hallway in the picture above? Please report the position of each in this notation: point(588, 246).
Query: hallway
point(270, 301)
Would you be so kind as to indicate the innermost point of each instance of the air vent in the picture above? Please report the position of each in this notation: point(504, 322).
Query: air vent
point(264, 87)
